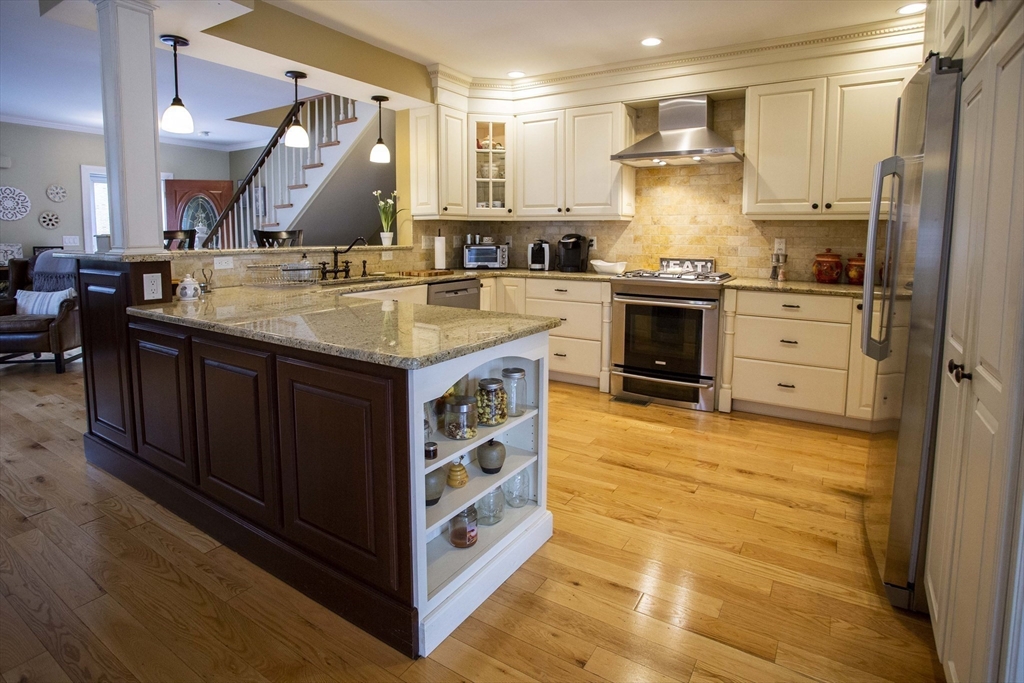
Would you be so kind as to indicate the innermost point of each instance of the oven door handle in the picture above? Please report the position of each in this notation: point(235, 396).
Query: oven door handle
point(694, 304)
point(696, 385)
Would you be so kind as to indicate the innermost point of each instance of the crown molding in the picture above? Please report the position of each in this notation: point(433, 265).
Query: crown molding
point(91, 130)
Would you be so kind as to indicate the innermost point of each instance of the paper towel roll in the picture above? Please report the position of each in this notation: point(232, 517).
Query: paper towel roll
point(439, 260)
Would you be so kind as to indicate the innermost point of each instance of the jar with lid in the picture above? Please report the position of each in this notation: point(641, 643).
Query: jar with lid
point(492, 401)
point(462, 528)
point(517, 489)
point(492, 507)
point(515, 388)
point(460, 417)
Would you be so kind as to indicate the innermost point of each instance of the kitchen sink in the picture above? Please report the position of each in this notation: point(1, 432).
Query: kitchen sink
point(362, 280)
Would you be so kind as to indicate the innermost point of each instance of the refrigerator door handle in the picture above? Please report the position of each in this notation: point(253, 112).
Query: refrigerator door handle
point(879, 348)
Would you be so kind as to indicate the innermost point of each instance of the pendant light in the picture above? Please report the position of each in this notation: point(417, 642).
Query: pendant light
point(380, 154)
point(176, 118)
point(296, 135)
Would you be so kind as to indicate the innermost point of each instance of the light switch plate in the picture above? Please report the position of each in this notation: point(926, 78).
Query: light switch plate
point(71, 241)
point(152, 286)
point(223, 262)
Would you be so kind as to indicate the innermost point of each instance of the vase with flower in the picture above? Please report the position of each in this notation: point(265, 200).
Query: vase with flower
point(388, 211)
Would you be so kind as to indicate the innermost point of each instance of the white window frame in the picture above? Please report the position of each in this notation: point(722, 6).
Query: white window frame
point(89, 208)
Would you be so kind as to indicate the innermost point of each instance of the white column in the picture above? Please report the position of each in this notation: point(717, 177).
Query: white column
point(130, 124)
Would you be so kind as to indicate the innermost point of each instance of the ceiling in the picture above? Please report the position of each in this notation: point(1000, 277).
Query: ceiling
point(489, 38)
point(50, 73)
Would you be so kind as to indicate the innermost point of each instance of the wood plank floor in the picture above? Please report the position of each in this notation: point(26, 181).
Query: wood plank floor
point(687, 547)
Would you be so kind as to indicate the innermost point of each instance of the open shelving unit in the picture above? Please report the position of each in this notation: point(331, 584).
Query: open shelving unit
point(449, 449)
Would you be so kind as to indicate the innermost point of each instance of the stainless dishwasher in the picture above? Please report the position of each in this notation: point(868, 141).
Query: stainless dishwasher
point(456, 294)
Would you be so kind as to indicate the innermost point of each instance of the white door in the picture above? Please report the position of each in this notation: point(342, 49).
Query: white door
point(423, 167)
point(860, 127)
point(540, 164)
point(513, 295)
point(994, 358)
point(453, 185)
point(593, 182)
point(487, 295)
point(785, 129)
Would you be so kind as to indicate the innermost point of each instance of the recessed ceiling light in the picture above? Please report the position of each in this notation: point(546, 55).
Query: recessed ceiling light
point(515, 74)
point(912, 8)
point(650, 42)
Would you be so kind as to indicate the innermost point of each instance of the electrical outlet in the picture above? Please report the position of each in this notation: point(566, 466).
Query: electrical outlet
point(780, 245)
point(386, 255)
point(152, 286)
point(592, 243)
point(223, 262)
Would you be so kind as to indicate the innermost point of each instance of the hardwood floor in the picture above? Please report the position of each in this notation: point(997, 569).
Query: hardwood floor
point(687, 547)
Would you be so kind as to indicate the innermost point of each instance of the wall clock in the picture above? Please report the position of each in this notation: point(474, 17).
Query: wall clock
point(49, 220)
point(14, 204)
point(56, 193)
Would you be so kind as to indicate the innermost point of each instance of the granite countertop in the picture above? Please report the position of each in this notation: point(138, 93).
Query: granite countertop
point(390, 333)
point(794, 287)
point(212, 253)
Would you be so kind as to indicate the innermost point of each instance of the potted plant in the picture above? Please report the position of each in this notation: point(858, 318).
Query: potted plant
point(387, 210)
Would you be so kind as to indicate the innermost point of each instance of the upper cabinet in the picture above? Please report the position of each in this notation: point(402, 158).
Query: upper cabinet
point(453, 175)
point(812, 145)
point(491, 161)
point(540, 172)
point(439, 176)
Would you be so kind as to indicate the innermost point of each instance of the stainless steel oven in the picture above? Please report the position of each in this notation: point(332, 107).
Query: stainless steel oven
point(665, 342)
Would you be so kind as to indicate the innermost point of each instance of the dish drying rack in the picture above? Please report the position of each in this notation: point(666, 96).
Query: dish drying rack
point(281, 275)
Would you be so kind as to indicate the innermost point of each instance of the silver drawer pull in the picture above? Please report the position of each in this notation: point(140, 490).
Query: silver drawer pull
point(788, 341)
point(787, 386)
point(790, 306)
point(561, 355)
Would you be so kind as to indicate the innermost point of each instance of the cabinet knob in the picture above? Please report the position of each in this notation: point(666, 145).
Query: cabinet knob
point(567, 209)
point(559, 209)
point(445, 208)
point(510, 210)
point(957, 370)
point(814, 206)
point(860, 307)
point(828, 206)
point(977, 3)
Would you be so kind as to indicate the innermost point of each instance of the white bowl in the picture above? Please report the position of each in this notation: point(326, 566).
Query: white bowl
point(607, 268)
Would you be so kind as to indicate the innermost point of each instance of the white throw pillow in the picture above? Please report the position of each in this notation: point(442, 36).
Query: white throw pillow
point(41, 303)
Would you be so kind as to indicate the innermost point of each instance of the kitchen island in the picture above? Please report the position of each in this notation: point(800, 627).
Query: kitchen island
point(289, 425)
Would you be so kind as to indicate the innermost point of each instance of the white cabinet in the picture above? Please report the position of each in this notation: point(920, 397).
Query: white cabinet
point(812, 145)
point(438, 176)
point(487, 289)
point(416, 294)
point(785, 148)
point(982, 22)
point(491, 165)
point(511, 293)
point(540, 173)
point(564, 166)
point(944, 26)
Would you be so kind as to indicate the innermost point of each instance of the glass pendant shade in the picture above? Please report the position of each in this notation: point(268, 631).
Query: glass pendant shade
point(296, 136)
point(380, 153)
point(176, 118)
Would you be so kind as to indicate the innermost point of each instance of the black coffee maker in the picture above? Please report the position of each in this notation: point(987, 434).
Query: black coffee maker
point(572, 253)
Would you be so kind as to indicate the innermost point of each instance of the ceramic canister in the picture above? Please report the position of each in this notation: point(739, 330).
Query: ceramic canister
point(855, 269)
point(828, 267)
point(435, 483)
point(491, 456)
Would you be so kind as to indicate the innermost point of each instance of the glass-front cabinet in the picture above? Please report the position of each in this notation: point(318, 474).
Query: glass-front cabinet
point(490, 163)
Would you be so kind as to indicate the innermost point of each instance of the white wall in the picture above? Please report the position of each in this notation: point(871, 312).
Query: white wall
point(41, 157)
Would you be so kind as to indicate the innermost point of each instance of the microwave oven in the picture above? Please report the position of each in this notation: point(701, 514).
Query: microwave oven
point(485, 256)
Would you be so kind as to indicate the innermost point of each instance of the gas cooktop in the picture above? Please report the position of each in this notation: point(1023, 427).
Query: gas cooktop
point(684, 276)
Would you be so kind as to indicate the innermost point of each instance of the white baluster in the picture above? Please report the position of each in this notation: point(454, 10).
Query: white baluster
point(334, 118)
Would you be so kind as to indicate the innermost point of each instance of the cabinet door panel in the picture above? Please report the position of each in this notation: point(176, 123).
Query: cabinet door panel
point(859, 132)
point(453, 179)
point(163, 395)
point(234, 422)
point(423, 172)
point(513, 295)
point(592, 179)
point(540, 164)
point(104, 298)
point(344, 477)
point(785, 148)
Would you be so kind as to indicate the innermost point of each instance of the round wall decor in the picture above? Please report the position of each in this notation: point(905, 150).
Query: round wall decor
point(14, 204)
point(56, 193)
point(49, 220)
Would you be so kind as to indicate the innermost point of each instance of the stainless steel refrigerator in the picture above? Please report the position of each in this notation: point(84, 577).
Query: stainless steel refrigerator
point(911, 249)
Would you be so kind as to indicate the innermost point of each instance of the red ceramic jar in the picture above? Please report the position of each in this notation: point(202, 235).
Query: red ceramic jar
point(828, 267)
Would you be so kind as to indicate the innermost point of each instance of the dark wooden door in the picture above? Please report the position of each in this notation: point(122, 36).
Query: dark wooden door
point(103, 298)
point(162, 374)
point(234, 425)
point(179, 193)
point(345, 469)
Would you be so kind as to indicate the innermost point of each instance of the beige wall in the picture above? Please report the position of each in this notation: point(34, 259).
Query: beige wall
point(241, 162)
point(41, 157)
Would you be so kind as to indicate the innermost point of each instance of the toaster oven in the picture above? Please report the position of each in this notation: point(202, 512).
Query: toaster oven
point(485, 256)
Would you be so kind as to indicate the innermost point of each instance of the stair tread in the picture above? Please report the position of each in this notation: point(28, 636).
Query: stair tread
point(308, 166)
point(270, 225)
point(283, 206)
point(328, 144)
point(342, 122)
point(300, 186)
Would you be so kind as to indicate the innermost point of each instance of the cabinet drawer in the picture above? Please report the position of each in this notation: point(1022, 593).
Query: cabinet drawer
point(835, 309)
point(824, 345)
point(574, 356)
point(570, 290)
point(579, 321)
point(794, 386)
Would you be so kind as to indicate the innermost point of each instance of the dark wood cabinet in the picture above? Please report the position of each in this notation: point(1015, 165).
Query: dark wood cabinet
point(164, 424)
point(103, 298)
point(235, 429)
point(344, 468)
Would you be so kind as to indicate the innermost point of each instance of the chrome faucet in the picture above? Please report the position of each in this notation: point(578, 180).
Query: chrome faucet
point(324, 270)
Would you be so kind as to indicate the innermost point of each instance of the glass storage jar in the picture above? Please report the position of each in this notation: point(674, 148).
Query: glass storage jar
point(460, 417)
point(491, 507)
point(515, 388)
point(462, 528)
point(492, 401)
point(517, 489)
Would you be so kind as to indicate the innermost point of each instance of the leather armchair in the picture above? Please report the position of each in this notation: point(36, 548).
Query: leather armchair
point(39, 334)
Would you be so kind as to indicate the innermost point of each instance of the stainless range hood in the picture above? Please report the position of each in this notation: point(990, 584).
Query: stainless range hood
point(684, 137)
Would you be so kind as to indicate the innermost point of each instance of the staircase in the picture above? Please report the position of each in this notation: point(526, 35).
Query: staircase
point(284, 180)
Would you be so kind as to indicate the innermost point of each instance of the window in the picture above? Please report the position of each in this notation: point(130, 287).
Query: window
point(95, 204)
